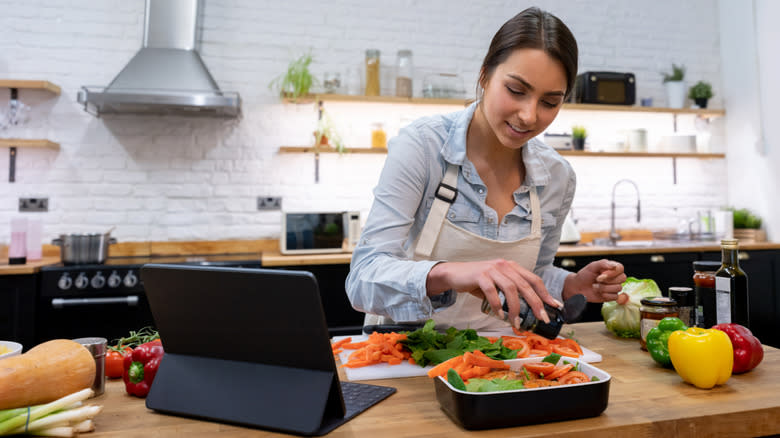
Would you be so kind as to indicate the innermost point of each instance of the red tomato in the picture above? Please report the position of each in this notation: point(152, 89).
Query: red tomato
point(114, 362)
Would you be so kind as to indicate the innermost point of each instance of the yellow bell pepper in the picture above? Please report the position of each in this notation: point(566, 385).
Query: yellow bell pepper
point(702, 357)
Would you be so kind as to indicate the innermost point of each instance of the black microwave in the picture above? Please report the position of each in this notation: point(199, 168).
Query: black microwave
point(605, 87)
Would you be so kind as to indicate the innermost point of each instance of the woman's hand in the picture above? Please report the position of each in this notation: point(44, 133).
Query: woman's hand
point(485, 278)
point(599, 281)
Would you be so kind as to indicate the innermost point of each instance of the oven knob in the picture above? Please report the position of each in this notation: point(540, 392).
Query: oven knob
point(65, 282)
point(82, 281)
point(98, 281)
point(130, 279)
point(114, 280)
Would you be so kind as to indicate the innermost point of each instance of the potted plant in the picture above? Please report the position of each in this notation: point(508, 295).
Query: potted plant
point(297, 81)
point(675, 86)
point(700, 93)
point(578, 135)
point(747, 226)
point(326, 134)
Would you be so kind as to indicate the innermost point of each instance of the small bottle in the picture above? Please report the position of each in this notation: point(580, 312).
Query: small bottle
point(704, 284)
point(378, 136)
point(686, 300)
point(403, 74)
point(372, 72)
point(652, 311)
point(17, 251)
point(731, 287)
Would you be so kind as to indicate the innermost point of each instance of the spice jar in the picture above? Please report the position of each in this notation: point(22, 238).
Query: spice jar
point(97, 346)
point(704, 284)
point(651, 312)
point(403, 74)
point(372, 72)
point(685, 304)
point(378, 136)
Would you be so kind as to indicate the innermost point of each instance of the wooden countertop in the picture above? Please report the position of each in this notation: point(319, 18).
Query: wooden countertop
point(28, 268)
point(645, 400)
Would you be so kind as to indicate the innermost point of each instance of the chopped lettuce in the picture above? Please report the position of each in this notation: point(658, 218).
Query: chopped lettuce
point(485, 385)
point(623, 319)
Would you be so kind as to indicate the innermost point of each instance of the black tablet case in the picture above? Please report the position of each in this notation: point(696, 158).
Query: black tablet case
point(246, 346)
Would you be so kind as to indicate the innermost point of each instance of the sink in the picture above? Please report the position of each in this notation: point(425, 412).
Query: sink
point(634, 243)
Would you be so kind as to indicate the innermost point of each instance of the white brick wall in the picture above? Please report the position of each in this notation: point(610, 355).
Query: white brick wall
point(159, 178)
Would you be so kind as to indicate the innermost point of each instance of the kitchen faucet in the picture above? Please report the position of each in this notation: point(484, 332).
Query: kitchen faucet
point(614, 236)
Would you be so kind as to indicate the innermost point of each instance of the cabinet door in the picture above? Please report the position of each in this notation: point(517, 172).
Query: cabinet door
point(17, 308)
point(342, 319)
point(762, 268)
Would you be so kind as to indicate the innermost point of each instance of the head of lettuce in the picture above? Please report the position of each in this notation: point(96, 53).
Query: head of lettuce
point(623, 319)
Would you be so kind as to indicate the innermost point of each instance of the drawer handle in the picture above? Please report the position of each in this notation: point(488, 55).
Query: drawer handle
point(568, 263)
point(743, 256)
point(658, 258)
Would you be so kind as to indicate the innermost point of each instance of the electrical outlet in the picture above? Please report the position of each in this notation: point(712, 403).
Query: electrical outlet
point(269, 202)
point(33, 204)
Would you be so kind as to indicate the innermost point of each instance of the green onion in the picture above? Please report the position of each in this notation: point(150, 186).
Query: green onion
point(14, 420)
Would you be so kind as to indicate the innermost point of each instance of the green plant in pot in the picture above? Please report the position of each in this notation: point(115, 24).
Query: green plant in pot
point(578, 135)
point(675, 86)
point(297, 81)
point(700, 93)
point(326, 134)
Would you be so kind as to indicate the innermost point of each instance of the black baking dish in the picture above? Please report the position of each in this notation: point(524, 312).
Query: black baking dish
point(487, 410)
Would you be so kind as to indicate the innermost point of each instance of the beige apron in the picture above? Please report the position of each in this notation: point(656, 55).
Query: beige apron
point(441, 240)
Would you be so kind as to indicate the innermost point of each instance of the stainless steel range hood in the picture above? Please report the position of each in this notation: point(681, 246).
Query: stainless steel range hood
point(167, 76)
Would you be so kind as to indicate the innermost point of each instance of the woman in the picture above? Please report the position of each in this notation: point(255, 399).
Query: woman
point(473, 202)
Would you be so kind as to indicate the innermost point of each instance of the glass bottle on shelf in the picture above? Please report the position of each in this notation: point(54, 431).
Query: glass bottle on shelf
point(731, 287)
point(403, 74)
point(372, 72)
point(378, 136)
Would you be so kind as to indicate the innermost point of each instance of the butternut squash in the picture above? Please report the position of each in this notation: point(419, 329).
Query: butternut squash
point(48, 371)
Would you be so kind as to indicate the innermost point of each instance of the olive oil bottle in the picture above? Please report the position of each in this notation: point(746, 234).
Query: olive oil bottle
point(731, 287)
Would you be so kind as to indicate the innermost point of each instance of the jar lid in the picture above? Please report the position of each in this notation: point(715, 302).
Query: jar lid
point(706, 265)
point(405, 53)
point(659, 301)
point(683, 295)
point(372, 53)
point(96, 346)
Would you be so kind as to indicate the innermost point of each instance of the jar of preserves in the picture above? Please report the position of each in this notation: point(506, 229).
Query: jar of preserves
point(651, 312)
point(685, 304)
point(704, 286)
point(372, 72)
point(378, 136)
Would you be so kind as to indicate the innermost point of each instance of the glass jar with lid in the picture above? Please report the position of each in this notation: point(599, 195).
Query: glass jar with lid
point(704, 287)
point(372, 72)
point(652, 311)
point(378, 136)
point(403, 74)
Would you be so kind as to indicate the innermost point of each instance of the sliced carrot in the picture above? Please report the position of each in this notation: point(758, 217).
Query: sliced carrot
point(442, 368)
point(558, 372)
point(573, 377)
point(482, 360)
point(474, 372)
point(341, 342)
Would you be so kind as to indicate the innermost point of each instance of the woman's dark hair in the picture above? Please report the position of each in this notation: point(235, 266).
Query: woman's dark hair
point(533, 29)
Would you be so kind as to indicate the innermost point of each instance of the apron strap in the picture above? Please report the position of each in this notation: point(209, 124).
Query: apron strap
point(446, 193)
point(536, 213)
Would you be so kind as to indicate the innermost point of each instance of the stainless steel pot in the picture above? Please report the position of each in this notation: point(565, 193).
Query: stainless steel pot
point(82, 249)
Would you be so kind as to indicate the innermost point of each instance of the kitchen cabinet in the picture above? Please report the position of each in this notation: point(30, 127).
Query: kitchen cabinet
point(17, 308)
point(762, 269)
point(342, 319)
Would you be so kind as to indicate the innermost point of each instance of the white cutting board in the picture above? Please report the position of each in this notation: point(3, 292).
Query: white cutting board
point(405, 369)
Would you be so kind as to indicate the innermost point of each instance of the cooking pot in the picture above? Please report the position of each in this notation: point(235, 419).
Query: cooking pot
point(82, 249)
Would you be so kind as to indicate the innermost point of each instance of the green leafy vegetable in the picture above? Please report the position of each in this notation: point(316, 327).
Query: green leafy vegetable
point(623, 319)
point(485, 385)
point(553, 358)
point(430, 347)
point(454, 378)
point(594, 379)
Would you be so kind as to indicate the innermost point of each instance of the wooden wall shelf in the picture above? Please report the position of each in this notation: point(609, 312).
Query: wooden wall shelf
point(30, 85)
point(463, 102)
point(310, 149)
point(29, 143)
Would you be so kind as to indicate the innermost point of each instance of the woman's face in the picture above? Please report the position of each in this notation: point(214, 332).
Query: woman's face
point(523, 96)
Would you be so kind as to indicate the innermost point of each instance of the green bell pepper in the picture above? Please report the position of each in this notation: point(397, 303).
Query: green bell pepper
point(658, 339)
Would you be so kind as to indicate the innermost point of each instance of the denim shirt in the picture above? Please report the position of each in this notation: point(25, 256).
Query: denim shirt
point(384, 279)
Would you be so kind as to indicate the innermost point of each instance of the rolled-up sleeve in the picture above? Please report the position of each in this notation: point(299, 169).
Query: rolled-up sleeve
point(383, 279)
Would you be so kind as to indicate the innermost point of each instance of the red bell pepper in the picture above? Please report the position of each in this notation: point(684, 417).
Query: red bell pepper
point(748, 352)
point(140, 367)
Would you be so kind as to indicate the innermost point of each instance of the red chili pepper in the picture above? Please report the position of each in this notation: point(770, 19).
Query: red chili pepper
point(140, 367)
point(748, 352)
